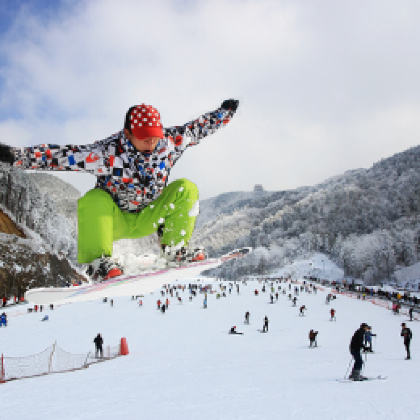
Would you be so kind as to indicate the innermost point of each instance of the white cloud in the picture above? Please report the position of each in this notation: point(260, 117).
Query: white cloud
point(324, 86)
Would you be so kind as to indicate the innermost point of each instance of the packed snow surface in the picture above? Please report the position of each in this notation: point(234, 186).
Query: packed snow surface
point(184, 365)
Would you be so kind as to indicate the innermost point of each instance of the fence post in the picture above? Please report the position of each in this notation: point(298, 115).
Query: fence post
point(52, 353)
point(86, 364)
point(2, 376)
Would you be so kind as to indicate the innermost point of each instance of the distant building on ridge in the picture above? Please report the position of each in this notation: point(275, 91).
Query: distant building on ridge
point(258, 188)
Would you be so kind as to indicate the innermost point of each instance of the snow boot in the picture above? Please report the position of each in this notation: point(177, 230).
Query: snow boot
point(104, 268)
point(356, 375)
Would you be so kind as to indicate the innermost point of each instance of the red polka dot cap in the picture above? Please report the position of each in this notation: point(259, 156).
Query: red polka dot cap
point(145, 122)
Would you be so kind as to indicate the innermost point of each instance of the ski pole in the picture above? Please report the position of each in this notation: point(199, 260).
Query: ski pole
point(364, 364)
point(347, 371)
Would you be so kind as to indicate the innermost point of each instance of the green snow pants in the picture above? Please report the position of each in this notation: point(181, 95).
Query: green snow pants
point(101, 222)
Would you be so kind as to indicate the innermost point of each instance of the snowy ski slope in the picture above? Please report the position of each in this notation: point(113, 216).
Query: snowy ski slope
point(184, 365)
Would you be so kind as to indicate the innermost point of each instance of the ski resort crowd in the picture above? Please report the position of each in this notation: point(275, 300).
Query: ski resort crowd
point(273, 289)
point(402, 297)
point(361, 341)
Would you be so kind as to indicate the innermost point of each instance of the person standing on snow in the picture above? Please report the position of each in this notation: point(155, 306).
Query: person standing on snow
point(368, 339)
point(407, 334)
point(246, 318)
point(332, 312)
point(356, 346)
point(410, 313)
point(265, 327)
point(132, 198)
point(312, 338)
point(98, 340)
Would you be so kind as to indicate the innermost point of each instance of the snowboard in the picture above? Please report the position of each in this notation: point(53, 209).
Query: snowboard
point(118, 286)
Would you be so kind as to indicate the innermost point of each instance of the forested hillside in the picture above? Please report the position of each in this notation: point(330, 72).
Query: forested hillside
point(367, 220)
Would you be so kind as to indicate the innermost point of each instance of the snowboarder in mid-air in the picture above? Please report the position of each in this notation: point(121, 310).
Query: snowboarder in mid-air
point(132, 197)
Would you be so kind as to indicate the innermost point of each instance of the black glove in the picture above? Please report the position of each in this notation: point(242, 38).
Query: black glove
point(6, 154)
point(231, 104)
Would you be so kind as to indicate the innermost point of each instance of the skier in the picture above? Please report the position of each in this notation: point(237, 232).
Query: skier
point(368, 339)
point(233, 331)
point(158, 304)
point(301, 310)
point(3, 319)
point(312, 338)
point(246, 318)
point(407, 334)
point(332, 312)
point(294, 301)
point(356, 345)
point(265, 327)
point(98, 340)
point(410, 313)
point(132, 198)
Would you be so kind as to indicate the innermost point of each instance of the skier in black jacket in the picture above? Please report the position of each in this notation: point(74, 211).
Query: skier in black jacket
point(356, 345)
point(406, 333)
point(98, 340)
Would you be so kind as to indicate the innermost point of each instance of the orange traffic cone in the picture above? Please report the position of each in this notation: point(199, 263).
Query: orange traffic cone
point(123, 347)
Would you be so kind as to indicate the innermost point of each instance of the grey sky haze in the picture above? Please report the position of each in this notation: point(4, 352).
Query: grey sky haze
point(325, 86)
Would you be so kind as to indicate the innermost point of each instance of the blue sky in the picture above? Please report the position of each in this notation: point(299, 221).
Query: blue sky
point(324, 86)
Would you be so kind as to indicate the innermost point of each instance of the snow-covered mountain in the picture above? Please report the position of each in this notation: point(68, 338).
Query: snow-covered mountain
point(367, 220)
point(63, 194)
point(38, 238)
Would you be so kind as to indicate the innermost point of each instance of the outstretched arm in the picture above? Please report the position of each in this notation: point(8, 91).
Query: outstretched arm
point(93, 158)
point(192, 132)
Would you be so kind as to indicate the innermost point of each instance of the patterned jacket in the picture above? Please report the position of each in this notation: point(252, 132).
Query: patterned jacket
point(132, 178)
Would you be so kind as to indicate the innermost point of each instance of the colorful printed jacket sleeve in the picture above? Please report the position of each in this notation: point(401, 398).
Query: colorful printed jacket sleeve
point(192, 132)
point(92, 158)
